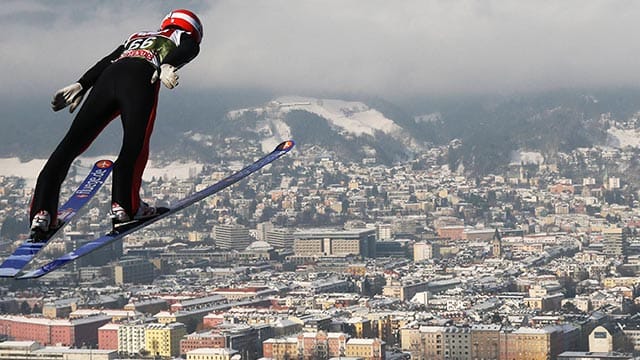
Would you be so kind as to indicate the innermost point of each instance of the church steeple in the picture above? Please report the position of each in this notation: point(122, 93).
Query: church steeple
point(496, 248)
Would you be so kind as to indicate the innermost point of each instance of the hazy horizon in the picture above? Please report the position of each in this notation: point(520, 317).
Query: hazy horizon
point(370, 47)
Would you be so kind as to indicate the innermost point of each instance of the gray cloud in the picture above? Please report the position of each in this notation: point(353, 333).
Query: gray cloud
point(377, 47)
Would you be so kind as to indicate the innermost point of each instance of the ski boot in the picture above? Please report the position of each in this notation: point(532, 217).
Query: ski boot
point(40, 227)
point(119, 216)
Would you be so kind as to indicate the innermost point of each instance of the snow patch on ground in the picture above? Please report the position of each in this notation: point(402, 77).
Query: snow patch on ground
point(526, 157)
point(206, 140)
point(275, 131)
point(620, 138)
point(352, 116)
point(428, 118)
point(174, 170)
point(29, 170)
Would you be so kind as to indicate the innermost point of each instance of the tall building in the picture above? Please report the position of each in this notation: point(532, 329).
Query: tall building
point(262, 229)
point(232, 237)
point(614, 241)
point(131, 338)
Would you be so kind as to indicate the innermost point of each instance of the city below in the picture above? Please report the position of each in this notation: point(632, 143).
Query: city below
point(317, 258)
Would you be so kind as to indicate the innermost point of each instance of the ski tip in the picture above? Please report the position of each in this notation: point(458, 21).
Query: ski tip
point(104, 164)
point(285, 145)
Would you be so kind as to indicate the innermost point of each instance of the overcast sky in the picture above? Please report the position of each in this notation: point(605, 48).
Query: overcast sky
point(374, 47)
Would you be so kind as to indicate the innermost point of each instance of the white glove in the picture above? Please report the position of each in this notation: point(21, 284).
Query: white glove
point(168, 76)
point(70, 95)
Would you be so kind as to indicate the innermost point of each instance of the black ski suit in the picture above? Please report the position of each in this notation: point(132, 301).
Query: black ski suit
point(122, 86)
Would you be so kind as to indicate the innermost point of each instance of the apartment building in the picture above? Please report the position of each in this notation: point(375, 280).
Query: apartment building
point(202, 340)
point(108, 337)
point(485, 341)
point(370, 349)
point(281, 348)
point(131, 338)
point(76, 332)
point(164, 339)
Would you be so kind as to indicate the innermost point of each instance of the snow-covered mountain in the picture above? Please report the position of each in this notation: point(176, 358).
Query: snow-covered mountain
point(492, 132)
point(350, 125)
point(202, 126)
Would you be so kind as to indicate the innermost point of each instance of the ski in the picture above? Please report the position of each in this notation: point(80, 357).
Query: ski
point(124, 230)
point(28, 249)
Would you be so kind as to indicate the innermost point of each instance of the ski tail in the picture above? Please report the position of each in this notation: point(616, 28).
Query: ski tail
point(108, 238)
point(13, 264)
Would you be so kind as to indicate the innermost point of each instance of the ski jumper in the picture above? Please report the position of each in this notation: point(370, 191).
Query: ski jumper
point(121, 86)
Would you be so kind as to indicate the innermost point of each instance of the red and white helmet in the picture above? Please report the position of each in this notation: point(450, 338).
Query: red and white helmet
point(184, 20)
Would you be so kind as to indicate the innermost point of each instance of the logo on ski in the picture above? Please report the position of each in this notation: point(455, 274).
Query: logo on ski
point(95, 178)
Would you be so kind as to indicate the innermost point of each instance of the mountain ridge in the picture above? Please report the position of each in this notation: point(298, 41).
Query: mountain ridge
point(489, 129)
